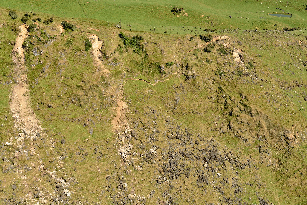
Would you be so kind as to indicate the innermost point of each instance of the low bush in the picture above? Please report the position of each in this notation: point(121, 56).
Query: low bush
point(209, 48)
point(168, 64)
point(87, 45)
point(31, 27)
point(134, 42)
point(176, 10)
point(67, 26)
point(13, 15)
point(25, 18)
point(48, 21)
point(205, 38)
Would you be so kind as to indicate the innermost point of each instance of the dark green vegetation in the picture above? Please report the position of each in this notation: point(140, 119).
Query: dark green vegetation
point(203, 127)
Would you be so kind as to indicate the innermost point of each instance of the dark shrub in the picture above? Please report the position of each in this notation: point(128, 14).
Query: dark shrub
point(205, 38)
point(48, 21)
point(291, 29)
point(134, 42)
point(168, 64)
point(37, 19)
point(209, 48)
point(67, 26)
point(176, 10)
point(13, 15)
point(87, 45)
point(25, 18)
point(31, 28)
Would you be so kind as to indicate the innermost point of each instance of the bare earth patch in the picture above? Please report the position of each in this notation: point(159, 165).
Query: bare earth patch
point(96, 45)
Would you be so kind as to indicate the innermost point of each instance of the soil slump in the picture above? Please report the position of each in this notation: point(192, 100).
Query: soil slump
point(30, 129)
point(96, 45)
point(120, 124)
point(25, 118)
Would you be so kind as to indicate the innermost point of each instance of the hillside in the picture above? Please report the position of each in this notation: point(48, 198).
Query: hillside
point(127, 112)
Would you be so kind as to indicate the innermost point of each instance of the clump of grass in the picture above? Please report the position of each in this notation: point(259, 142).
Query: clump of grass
point(223, 51)
point(68, 42)
point(250, 65)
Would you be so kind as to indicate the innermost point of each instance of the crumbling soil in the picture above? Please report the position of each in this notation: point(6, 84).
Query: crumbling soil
point(96, 45)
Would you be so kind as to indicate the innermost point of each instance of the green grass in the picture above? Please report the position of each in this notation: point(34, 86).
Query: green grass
point(156, 16)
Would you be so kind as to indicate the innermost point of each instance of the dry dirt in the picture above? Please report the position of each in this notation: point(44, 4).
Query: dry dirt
point(96, 45)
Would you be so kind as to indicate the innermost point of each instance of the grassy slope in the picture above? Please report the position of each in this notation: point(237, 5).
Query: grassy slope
point(187, 122)
point(145, 15)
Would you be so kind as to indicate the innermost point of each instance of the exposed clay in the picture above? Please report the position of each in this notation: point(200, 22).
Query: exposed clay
point(96, 45)
point(61, 29)
point(119, 121)
point(237, 55)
